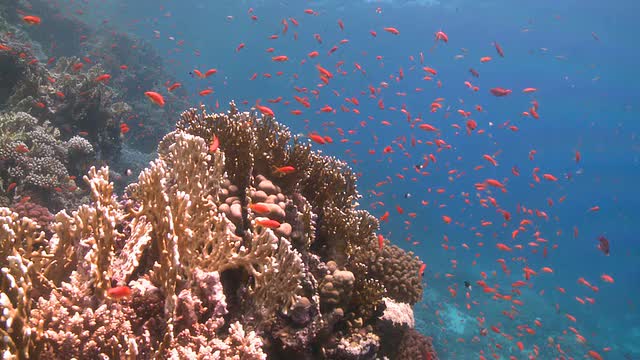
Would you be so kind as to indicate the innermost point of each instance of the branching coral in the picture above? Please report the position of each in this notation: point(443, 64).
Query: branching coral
point(21, 243)
point(198, 286)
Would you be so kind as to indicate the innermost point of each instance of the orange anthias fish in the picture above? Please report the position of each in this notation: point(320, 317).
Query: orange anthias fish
point(155, 98)
point(260, 208)
point(32, 20)
point(392, 30)
point(284, 170)
point(214, 145)
point(103, 77)
point(268, 223)
point(173, 87)
point(265, 110)
point(119, 292)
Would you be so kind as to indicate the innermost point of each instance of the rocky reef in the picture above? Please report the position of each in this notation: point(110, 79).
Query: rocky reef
point(238, 242)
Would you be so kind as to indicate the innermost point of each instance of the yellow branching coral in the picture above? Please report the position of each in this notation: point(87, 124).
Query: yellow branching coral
point(276, 268)
point(91, 228)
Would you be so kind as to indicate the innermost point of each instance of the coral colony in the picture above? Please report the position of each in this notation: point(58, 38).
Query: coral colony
point(213, 253)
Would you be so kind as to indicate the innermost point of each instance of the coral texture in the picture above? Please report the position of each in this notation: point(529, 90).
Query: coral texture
point(213, 253)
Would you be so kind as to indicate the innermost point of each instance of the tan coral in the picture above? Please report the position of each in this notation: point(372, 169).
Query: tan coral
point(16, 335)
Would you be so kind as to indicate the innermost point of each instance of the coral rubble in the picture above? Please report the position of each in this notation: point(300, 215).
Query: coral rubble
point(213, 253)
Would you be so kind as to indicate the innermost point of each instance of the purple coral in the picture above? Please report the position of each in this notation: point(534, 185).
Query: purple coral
point(33, 211)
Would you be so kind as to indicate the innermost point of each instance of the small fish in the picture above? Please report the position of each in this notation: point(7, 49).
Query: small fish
point(280, 58)
point(260, 208)
point(603, 245)
point(119, 292)
point(155, 98)
point(498, 49)
point(268, 223)
point(103, 77)
point(498, 91)
point(265, 110)
point(197, 73)
point(317, 139)
point(284, 170)
point(392, 30)
point(11, 186)
point(422, 268)
point(22, 149)
point(32, 20)
point(440, 35)
point(173, 87)
point(215, 144)
point(607, 278)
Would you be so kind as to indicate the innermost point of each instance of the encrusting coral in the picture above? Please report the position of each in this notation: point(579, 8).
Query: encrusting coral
point(215, 252)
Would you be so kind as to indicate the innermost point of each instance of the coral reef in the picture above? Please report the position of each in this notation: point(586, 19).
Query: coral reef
point(36, 162)
point(215, 252)
point(53, 123)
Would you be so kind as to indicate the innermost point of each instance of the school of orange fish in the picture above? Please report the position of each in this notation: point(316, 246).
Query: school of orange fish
point(431, 130)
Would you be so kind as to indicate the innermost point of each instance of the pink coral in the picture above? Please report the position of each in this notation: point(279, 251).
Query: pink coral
point(33, 211)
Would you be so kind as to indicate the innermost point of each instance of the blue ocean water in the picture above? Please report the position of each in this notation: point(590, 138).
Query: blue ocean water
point(581, 58)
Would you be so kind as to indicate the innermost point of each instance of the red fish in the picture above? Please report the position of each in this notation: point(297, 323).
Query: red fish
point(280, 58)
point(260, 208)
point(267, 223)
point(324, 71)
point(392, 30)
point(155, 98)
point(440, 35)
point(103, 77)
point(173, 87)
point(215, 144)
point(265, 110)
point(119, 292)
point(11, 186)
point(317, 139)
point(32, 20)
point(285, 170)
point(498, 91)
